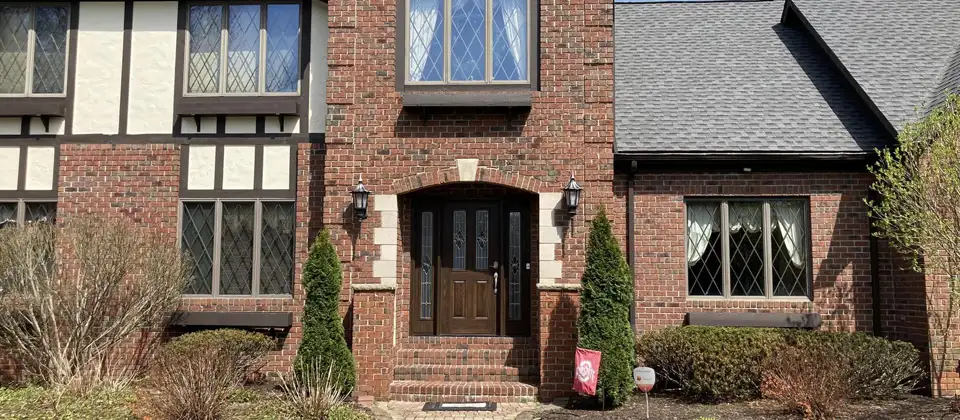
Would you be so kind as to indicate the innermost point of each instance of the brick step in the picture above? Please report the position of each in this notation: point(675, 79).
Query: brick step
point(467, 373)
point(457, 343)
point(430, 391)
point(472, 356)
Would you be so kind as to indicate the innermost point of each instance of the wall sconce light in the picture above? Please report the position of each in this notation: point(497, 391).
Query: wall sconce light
point(361, 196)
point(571, 195)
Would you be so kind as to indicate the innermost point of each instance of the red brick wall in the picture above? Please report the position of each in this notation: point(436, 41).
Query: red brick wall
point(840, 237)
point(558, 312)
point(373, 341)
point(142, 182)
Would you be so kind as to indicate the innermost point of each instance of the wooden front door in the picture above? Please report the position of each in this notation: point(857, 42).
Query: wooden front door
point(471, 267)
point(470, 261)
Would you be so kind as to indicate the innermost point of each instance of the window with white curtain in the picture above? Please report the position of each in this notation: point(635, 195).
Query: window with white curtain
point(748, 248)
point(33, 49)
point(467, 41)
point(243, 48)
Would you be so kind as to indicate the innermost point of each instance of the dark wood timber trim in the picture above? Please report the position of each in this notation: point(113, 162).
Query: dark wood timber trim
point(255, 105)
point(743, 162)
point(233, 139)
point(504, 99)
point(22, 170)
point(753, 319)
point(125, 66)
point(19, 107)
point(233, 319)
point(306, 28)
point(71, 67)
point(182, 8)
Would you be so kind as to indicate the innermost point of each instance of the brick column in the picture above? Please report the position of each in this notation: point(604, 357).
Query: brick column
point(559, 306)
point(374, 338)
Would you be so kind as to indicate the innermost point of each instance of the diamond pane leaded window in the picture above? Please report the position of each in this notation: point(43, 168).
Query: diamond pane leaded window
point(236, 248)
point(704, 258)
point(42, 68)
point(42, 212)
point(243, 48)
point(513, 267)
point(789, 239)
point(482, 41)
point(748, 248)
point(426, 265)
point(8, 214)
point(276, 248)
point(196, 239)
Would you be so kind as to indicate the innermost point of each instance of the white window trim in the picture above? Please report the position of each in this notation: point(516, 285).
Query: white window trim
point(31, 49)
point(224, 38)
point(767, 251)
point(447, 41)
point(257, 237)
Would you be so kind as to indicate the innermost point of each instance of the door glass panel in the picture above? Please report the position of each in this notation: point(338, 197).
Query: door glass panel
point(426, 265)
point(459, 240)
point(483, 219)
point(513, 273)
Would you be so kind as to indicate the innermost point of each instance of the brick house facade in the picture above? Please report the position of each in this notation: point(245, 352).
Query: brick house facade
point(462, 283)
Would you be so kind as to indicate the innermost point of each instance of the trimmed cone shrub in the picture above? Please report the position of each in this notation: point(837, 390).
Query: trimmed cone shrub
point(604, 321)
point(324, 345)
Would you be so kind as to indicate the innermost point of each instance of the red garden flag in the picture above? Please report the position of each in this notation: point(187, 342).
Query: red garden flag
point(588, 367)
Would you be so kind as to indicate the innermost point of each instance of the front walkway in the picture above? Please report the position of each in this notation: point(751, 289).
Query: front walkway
point(396, 410)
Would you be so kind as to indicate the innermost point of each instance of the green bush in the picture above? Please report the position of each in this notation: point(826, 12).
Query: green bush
point(710, 363)
point(725, 364)
point(604, 321)
point(247, 349)
point(324, 344)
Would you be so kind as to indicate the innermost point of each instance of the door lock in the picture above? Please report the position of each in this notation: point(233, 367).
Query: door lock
point(496, 277)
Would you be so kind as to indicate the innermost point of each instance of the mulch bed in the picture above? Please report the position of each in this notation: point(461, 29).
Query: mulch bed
point(666, 407)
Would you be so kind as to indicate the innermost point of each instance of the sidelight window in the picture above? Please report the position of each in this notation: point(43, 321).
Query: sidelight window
point(468, 41)
point(243, 48)
point(239, 248)
point(33, 49)
point(748, 248)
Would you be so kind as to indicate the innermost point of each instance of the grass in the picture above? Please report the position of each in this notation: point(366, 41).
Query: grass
point(42, 404)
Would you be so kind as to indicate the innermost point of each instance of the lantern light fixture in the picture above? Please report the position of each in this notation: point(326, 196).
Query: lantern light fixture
point(361, 196)
point(571, 195)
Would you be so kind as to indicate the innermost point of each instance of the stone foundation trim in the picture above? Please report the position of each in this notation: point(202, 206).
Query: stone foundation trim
point(559, 287)
point(549, 236)
point(373, 287)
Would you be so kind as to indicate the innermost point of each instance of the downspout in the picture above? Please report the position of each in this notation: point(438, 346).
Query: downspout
point(631, 253)
point(875, 272)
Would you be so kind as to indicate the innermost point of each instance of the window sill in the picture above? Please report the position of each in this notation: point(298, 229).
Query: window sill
point(232, 319)
point(238, 105)
point(515, 98)
point(776, 299)
point(809, 320)
point(28, 107)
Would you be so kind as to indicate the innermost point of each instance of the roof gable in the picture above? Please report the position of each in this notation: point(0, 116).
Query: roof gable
point(901, 53)
point(729, 78)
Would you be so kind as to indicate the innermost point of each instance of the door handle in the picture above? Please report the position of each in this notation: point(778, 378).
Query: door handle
point(496, 277)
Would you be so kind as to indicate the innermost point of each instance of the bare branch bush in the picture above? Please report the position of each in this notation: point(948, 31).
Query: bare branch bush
point(74, 294)
point(191, 384)
point(313, 394)
point(918, 212)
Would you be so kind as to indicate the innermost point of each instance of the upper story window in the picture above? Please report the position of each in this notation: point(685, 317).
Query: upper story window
point(468, 41)
point(743, 248)
point(33, 49)
point(243, 49)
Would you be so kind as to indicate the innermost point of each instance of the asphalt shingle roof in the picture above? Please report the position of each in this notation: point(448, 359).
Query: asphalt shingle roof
point(730, 78)
point(903, 53)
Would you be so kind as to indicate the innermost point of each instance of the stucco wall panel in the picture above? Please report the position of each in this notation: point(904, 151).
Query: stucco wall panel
point(99, 63)
point(153, 45)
